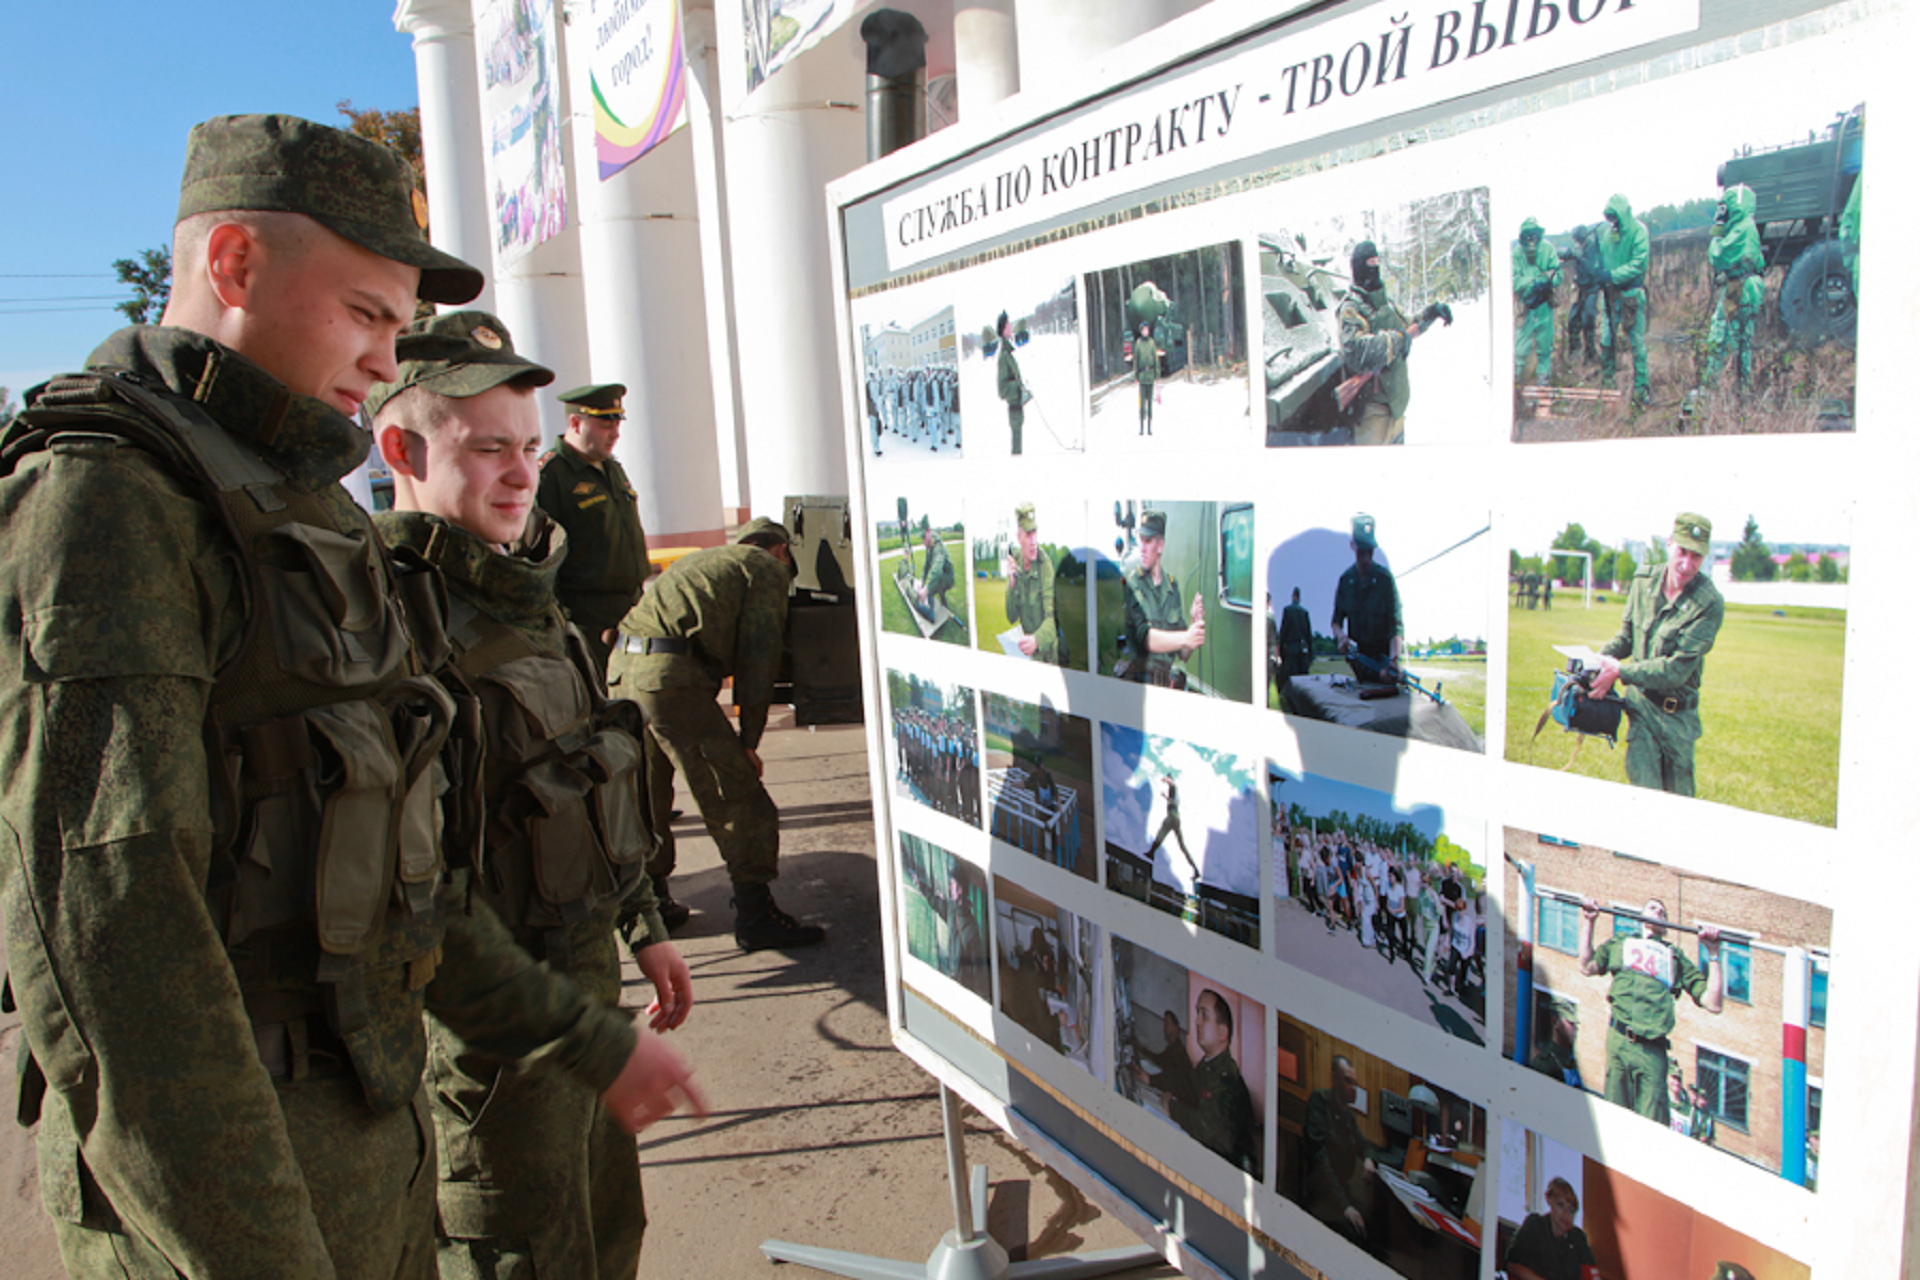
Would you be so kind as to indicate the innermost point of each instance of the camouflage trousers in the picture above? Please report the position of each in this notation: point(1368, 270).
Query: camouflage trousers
point(369, 1175)
point(536, 1179)
point(1534, 336)
point(688, 727)
point(1660, 745)
point(1637, 1075)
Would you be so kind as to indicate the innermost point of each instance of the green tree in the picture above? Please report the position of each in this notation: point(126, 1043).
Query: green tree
point(1828, 570)
point(1574, 538)
point(1752, 559)
point(1799, 568)
point(1623, 568)
point(150, 276)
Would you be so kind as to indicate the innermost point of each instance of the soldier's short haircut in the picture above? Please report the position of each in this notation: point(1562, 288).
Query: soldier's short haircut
point(418, 410)
point(1222, 1011)
point(286, 235)
point(1565, 1188)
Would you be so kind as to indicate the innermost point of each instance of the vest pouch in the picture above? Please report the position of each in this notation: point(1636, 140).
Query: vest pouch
point(359, 779)
point(421, 713)
point(559, 830)
point(546, 702)
point(333, 621)
point(612, 759)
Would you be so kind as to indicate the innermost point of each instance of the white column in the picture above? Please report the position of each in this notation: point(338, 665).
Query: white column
point(986, 54)
point(543, 299)
point(780, 154)
point(640, 258)
point(451, 141)
point(1057, 36)
point(706, 130)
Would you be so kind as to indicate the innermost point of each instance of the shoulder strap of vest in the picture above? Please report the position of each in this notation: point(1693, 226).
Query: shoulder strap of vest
point(482, 642)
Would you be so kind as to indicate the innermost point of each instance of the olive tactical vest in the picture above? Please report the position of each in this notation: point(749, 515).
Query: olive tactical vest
point(327, 744)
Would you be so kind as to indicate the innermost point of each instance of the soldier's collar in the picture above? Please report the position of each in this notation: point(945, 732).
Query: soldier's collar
point(312, 441)
point(516, 587)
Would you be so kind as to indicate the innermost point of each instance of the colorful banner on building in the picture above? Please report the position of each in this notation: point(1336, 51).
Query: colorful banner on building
point(639, 71)
point(520, 100)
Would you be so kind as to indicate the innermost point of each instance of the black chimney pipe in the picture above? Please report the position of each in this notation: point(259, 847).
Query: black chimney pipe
point(896, 80)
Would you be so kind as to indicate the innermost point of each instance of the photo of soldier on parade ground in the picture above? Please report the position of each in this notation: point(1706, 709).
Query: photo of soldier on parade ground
point(1376, 325)
point(936, 745)
point(1173, 595)
point(1670, 994)
point(923, 569)
point(1049, 962)
point(1353, 872)
point(1030, 579)
point(1020, 362)
point(946, 913)
point(1388, 1161)
point(1167, 351)
point(1702, 643)
point(1563, 1215)
point(1191, 1051)
point(910, 377)
point(1376, 618)
point(1040, 782)
point(1704, 286)
point(1182, 829)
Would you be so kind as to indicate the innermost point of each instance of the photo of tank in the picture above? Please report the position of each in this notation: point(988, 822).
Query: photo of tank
point(1375, 326)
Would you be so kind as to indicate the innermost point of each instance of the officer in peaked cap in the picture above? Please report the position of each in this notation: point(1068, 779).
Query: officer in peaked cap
point(587, 493)
point(225, 705)
point(1659, 657)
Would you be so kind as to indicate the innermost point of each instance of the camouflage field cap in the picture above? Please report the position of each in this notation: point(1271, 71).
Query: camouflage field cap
point(1694, 532)
point(1153, 524)
point(360, 190)
point(597, 400)
point(760, 524)
point(459, 354)
point(1023, 516)
point(1363, 532)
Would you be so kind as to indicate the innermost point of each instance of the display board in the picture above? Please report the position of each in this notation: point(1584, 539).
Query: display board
point(1381, 529)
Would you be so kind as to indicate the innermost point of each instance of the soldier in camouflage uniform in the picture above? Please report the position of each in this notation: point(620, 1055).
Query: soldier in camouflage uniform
point(1375, 341)
point(1012, 388)
point(588, 494)
point(225, 895)
point(1030, 573)
point(717, 613)
point(1366, 610)
point(1672, 619)
point(1555, 1055)
point(535, 1174)
point(1159, 628)
point(1649, 973)
point(936, 578)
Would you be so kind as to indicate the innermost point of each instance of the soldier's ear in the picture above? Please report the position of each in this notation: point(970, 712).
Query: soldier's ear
point(404, 450)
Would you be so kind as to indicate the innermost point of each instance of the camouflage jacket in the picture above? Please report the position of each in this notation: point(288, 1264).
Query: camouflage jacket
point(1663, 644)
point(1372, 340)
point(129, 600)
point(730, 605)
point(1030, 605)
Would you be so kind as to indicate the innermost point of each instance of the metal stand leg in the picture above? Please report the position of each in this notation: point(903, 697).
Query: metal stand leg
point(967, 1252)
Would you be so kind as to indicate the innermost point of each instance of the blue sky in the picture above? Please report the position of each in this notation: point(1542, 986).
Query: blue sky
point(98, 100)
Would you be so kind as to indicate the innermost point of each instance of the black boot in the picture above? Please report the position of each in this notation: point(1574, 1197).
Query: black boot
point(673, 913)
point(759, 925)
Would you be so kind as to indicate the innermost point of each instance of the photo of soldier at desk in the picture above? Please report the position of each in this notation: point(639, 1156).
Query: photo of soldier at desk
point(1388, 1160)
point(1188, 1049)
point(1049, 965)
point(1040, 781)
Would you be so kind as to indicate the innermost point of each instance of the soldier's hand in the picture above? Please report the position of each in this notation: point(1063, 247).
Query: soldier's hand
point(1603, 683)
point(1196, 635)
point(672, 985)
point(1589, 909)
point(655, 1083)
point(1013, 566)
point(1197, 611)
point(759, 767)
point(1359, 1223)
point(1029, 645)
point(1710, 937)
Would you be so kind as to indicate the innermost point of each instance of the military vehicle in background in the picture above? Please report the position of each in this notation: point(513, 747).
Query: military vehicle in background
point(1149, 304)
point(1300, 323)
point(1801, 189)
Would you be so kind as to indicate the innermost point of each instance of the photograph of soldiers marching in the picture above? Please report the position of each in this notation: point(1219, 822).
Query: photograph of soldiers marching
point(1167, 351)
point(1355, 870)
point(1696, 1002)
point(1708, 285)
point(1020, 361)
point(912, 387)
point(1376, 324)
point(1040, 781)
point(936, 745)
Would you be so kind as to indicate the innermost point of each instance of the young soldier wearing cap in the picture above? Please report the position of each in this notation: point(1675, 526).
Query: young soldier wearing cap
point(587, 493)
point(1366, 610)
point(1154, 616)
point(716, 613)
point(1030, 575)
point(1672, 618)
point(225, 889)
point(534, 1171)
